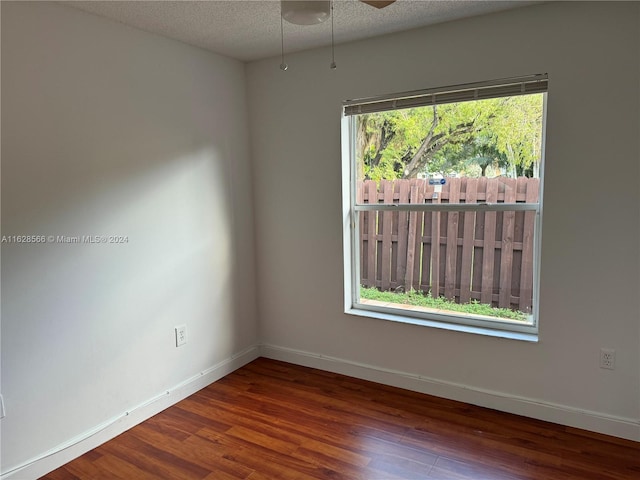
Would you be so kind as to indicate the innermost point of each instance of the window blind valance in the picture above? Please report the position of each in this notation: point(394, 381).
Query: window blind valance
point(506, 87)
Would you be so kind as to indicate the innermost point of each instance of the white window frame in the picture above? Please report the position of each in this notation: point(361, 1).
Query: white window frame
point(457, 322)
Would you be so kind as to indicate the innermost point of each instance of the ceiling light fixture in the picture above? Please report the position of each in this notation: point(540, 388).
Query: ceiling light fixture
point(312, 12)
point(306, 12)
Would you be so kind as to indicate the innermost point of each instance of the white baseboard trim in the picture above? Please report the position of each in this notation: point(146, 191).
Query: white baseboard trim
point(86, 441)
point(627, 428)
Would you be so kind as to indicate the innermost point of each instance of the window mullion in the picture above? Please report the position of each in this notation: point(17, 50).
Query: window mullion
point(447, 207)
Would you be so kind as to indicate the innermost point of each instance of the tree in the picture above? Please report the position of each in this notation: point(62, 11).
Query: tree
point(503, 132)
point(472, 158)
point(517, 133)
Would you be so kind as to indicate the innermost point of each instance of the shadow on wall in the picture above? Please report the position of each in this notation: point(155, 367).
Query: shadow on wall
point(129, 252)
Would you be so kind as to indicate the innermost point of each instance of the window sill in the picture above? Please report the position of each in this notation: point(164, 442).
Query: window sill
point(477, 330)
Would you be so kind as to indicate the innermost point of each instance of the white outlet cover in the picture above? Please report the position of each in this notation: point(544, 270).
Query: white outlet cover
point(608, 358)
point(181, 335)
point(1, 407)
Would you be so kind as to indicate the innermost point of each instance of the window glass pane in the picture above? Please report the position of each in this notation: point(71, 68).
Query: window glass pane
point(457, 262)
point(498, 138)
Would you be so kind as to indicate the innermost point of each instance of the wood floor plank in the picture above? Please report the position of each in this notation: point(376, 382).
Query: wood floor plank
point(61, 474)
point(446, 469)
point(83, 467)
point(118, 468)
point(217, 458)
point(273, 420)
point(153, 460)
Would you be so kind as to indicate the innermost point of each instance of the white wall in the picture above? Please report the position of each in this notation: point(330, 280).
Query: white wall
point(590, 275)
point(107, 130)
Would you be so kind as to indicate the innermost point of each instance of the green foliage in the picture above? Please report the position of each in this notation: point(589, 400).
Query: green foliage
point(478, 157)
point(421, 300)
point(466, 138)
point(517, 133)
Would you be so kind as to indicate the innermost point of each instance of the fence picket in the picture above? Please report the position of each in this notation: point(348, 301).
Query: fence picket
point(387, 227)
point(526, 279)
point(435, 247)
point(372, 246)
point(364, 235)
point(468, 236)
point(451, 255)
point(426, 243)
point(488, 247)
point(506, 250)
point(419, 243)
point(411, 239)
point(402, 236)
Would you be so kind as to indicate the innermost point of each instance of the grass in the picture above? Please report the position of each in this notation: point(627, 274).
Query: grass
point(421, 300)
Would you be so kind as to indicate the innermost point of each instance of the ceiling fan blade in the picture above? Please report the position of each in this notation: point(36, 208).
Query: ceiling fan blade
point(377, 4)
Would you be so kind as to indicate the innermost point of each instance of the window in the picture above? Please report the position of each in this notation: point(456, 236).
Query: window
point(442, 195)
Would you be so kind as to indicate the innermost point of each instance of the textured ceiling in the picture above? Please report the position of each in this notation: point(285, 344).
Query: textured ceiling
point(250, 30)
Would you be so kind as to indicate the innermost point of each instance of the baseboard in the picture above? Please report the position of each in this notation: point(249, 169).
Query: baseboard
point(627, 428)
point(621, 427)
point(95, 437)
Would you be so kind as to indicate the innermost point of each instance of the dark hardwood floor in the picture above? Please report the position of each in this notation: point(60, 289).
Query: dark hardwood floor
point(273, 420)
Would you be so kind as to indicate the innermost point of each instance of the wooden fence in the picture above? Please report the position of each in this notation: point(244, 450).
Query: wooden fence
point(463, 256)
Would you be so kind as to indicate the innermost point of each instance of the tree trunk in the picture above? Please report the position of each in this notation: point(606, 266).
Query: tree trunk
point(432, 144)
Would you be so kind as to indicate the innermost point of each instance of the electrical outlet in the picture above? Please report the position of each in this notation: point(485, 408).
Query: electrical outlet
point(607, 358)
point(1, 407)
point(181, 335)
